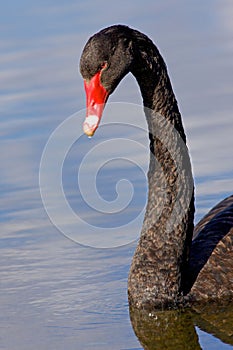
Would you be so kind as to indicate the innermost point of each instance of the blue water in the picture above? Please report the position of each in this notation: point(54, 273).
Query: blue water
point(58, 291)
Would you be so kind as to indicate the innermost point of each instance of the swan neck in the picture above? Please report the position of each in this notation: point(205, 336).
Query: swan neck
point(151, 74)
point(157, 273)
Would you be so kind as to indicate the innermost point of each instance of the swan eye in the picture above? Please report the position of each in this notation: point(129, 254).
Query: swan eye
point(103, 66)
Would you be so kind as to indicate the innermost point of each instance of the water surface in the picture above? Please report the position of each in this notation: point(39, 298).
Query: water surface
point(56, 293)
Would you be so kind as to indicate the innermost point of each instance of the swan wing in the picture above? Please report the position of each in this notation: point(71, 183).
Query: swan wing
point(211, 257)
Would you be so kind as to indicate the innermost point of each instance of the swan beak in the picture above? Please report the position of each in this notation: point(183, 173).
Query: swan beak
point(96, 97)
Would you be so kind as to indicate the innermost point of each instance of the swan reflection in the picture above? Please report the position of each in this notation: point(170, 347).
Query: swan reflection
point(176, 329)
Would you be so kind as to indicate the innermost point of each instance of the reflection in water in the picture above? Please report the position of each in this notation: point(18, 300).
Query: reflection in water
point(55, 294)
point(165, 330)
point(216, 319)
point(175, 329)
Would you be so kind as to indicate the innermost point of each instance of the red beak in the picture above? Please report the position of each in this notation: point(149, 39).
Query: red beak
point(96, 97)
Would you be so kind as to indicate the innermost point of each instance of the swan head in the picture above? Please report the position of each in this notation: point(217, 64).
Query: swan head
point(106, 58)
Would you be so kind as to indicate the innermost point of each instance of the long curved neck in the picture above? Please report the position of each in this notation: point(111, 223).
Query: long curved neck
point(157, 275)
point(151, 73)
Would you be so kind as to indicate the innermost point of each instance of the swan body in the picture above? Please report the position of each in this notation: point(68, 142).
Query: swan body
point(174, 264)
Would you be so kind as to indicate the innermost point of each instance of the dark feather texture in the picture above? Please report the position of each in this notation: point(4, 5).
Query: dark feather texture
point(168, 268)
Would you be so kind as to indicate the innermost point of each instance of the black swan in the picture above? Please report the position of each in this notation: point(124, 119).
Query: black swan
point(171, 267)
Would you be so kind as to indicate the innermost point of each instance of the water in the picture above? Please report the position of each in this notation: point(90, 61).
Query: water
point(56, 293)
